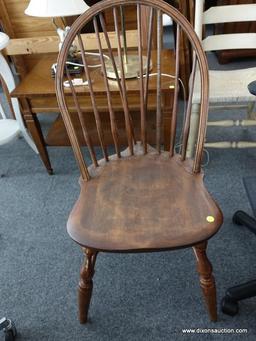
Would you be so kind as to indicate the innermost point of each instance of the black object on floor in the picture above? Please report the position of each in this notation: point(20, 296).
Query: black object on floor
point(229, 303)
point(8, 327)
point(250, 186)
point(252, 88)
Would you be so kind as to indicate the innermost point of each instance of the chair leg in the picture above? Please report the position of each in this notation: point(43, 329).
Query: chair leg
point(207, 281)
point(86, 284)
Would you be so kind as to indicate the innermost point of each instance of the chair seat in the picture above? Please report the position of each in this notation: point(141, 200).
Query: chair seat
point(9, 130)
point(143, 203)
point(227, 86)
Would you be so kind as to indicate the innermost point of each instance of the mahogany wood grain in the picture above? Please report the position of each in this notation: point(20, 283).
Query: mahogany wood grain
point(120, 208)
point(144, 199)
point(86, 284)
point(207, 280)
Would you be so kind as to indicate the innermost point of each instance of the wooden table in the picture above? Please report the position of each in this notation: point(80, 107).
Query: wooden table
point(36, 94)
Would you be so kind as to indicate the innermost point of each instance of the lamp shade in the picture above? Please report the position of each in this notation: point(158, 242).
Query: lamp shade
point(56, 8)
point(4, 40)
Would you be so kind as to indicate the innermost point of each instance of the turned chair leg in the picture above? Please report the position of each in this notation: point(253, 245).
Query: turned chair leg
point(207, 281)
point(86, 283)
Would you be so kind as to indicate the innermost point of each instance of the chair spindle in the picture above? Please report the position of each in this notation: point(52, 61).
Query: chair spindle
point(111, 55)
point(82, 120)
point(202, 126)
point(123, 33)
point(186, 127)
point(142, 103)
point(149, 48)
point(123, 83)
point(176, 91)
point(113, 124)
point(74, 140)
point(93, 101)
point(159, 71)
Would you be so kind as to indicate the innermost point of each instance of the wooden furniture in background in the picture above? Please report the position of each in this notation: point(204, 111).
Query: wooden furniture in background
point(226, 86)
point(186, 7)
point(142, 199)
point(35, 38)
point(17, 25)
point(36, 93)
point(38, 83)
point(226, 56)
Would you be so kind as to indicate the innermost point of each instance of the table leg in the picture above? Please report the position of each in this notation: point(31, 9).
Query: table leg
point(34, 128)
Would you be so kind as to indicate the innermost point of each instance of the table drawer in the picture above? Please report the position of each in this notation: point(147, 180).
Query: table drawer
point(49, 104)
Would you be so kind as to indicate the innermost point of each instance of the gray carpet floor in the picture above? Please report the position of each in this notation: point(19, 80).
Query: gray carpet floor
point(136, 297)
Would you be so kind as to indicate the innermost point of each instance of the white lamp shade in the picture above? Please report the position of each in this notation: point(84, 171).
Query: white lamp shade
point(56, 8)
point(4, 40)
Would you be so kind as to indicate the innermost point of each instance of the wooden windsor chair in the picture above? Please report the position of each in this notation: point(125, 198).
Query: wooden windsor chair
point(140, 199)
